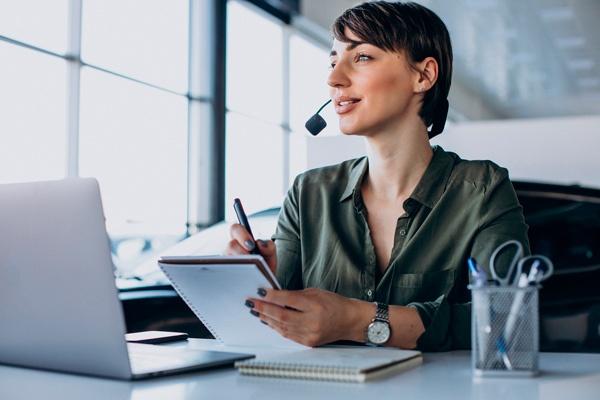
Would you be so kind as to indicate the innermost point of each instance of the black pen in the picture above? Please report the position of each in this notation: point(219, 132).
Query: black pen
point(243, 220)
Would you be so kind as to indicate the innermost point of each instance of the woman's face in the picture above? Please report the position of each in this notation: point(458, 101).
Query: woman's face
point(372, 90)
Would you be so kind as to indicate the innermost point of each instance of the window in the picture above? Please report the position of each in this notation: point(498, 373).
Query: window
point(119, 114)
point(133, 132)
point(133, 139)
point(145, 40)
point(130, 106)
point(32, 127)
point(39, 23)
point(254, 63)
point(255, 162)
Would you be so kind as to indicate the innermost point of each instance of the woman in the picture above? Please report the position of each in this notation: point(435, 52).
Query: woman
point(397, 226)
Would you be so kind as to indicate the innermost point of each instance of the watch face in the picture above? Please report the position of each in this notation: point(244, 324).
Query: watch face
point(378, 332)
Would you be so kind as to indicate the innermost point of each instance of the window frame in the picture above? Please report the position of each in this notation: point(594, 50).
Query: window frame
point(206, 92)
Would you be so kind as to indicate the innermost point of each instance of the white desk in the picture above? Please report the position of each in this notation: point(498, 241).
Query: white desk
point(442, 376)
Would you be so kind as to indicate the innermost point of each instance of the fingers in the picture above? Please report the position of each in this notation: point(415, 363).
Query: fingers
point(286, 298)
point(296, 334)
point(288, 323)
point(234, 248)
point(284, 316)
point(241, 235)
point(242, 244)
point(299, 326)
point(269, 252)
point(266, 247)
point(282, 329)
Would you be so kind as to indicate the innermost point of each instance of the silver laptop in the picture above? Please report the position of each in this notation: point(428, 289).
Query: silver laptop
point(59, 306)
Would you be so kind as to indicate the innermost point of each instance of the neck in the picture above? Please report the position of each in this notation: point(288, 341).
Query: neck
point(398, 158)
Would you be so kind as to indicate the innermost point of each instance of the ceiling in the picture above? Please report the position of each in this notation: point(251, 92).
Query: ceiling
point(512, 58)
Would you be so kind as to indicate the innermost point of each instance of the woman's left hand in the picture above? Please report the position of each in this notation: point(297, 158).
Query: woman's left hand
point(311, 317)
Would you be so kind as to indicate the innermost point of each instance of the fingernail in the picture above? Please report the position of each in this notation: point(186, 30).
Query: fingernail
point(254, 313)
point(261, 292)
point(249, 244)
point(249, 304)
point(262, 243)
point(264, 322)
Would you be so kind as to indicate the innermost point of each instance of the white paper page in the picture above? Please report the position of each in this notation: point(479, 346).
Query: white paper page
point(216, 294)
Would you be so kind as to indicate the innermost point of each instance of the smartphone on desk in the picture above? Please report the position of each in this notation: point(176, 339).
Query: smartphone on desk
point(155, 337)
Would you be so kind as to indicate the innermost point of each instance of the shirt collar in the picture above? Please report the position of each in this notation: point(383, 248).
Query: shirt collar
point(355, 177)
point(433, 182)
point(429, 189)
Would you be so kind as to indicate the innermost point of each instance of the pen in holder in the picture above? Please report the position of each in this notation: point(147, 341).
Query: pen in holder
point(504, 315)
point(505, 330)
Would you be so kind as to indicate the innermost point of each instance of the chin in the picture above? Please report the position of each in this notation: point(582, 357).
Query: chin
point(348, 126)
point(350, 132)
point(353, 129)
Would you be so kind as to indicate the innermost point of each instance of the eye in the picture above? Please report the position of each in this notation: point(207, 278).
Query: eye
point(363, 57)
point(332, 65)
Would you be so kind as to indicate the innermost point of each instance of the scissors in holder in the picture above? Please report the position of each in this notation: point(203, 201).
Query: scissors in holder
point(540, 267)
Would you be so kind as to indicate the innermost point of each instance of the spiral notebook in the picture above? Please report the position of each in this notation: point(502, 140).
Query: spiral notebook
point(342, 364)
point(216, 287)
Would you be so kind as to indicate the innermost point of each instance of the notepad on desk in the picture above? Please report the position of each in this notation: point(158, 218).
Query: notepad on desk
point(342, 364)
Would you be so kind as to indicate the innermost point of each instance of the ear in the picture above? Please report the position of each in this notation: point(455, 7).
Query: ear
point(427, 74)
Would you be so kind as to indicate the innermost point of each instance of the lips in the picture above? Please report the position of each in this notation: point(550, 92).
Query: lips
point(345, 104)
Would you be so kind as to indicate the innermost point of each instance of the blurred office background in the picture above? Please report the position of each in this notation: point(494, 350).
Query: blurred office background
point(178, 106)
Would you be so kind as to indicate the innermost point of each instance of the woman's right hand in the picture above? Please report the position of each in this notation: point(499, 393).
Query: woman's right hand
point(241, 243)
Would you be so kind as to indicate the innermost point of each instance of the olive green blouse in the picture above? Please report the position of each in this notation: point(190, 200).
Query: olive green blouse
point(458, 209)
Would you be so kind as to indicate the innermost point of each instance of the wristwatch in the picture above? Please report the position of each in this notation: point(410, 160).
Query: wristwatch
point(379, 331)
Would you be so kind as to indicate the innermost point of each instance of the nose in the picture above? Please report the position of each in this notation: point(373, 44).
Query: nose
point(338, 77)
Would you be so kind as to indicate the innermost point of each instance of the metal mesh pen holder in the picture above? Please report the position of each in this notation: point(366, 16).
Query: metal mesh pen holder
point(505, 331)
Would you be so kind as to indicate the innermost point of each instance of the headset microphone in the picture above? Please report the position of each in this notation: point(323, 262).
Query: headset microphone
point(316, 123)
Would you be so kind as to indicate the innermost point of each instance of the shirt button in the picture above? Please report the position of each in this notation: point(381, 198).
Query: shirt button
point(369, 293)
point(402, 232)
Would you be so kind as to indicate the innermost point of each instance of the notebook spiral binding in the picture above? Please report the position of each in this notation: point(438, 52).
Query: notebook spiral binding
point(190, 305)
point(297, 371)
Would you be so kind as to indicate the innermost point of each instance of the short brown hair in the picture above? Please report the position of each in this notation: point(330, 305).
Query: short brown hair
point(414, 29)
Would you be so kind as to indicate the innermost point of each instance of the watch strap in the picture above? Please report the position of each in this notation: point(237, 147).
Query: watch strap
point(382, 313)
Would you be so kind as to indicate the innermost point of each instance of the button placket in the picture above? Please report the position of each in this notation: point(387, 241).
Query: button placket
point(402, 230)
point(400, 236)
point(370, 261)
